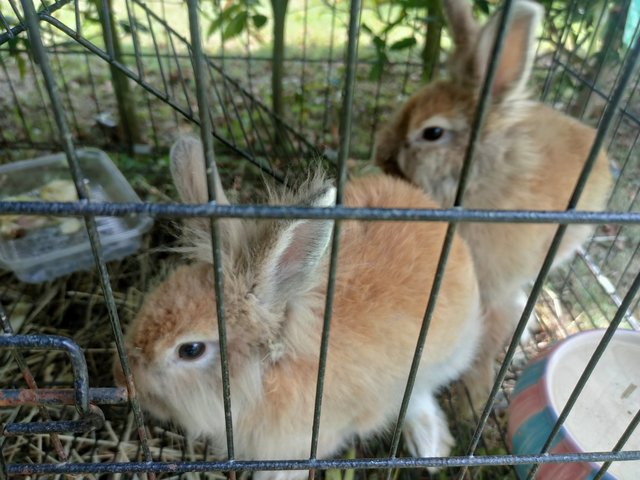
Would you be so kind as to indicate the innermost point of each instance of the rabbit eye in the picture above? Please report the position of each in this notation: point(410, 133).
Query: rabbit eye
point(191, 351)
point(431, 134)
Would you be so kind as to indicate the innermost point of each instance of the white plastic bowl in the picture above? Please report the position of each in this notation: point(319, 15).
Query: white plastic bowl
point(610, 399)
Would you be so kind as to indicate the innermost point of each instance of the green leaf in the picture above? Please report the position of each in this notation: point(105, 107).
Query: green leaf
point(141, 26)
point(223, 18)
point(13, 45)
point(126, 26)
point(483, 5)
point(259, 20)
point(376, 71)
point(236, 25)
point(391, 25)
point(91, 19)
point(215, 25)
point(16, 45)
point(403, 44)
point(413, 3)
point(22, 66)
point(378, 43)
point(378, 66)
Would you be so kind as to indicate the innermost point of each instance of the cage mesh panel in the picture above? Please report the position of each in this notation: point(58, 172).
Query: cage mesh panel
point(585, 294)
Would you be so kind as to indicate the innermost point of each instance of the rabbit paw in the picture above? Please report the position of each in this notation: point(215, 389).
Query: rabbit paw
point(426, 431)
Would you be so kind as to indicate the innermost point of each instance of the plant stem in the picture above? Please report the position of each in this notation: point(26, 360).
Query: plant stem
point(431, 51)
point(279, 8)
point(128, 130)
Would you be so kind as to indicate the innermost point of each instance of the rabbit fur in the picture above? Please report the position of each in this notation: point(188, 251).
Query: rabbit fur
point(528, 156)
point(275, 275)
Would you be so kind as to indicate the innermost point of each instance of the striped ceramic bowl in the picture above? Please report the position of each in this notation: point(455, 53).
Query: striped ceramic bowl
point(603, 411)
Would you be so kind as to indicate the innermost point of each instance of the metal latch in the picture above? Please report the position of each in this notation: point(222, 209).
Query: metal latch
point(81, 396)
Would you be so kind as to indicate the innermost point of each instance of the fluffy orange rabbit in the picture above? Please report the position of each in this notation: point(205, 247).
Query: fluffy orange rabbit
point(528, 156)
point(275, 275)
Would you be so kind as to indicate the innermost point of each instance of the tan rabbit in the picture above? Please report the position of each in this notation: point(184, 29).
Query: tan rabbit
point(275, 276)
point(528, 156)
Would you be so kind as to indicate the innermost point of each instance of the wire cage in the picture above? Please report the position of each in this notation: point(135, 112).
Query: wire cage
point(128, 76)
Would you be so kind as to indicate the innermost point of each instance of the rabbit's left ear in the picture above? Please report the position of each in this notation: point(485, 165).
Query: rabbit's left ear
point(516, 59)
point(189, 172)
point(462, 25)
point(288, 263)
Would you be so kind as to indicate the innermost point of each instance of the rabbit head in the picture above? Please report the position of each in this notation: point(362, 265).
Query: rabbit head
point(268, 267)
point(427, 139)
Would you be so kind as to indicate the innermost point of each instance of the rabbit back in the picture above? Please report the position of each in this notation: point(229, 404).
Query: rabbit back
point(384, 275)
point(555, 148)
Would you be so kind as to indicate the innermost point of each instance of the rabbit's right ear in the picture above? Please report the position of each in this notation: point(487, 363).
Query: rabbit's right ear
point(516, 60)
point(189, 172)
point(288, 262)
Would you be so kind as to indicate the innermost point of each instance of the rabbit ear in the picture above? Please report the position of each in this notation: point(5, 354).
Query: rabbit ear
point(516, 60)
point(189, 172)
point(189, 175)
point(463, 27)
point(288, 265)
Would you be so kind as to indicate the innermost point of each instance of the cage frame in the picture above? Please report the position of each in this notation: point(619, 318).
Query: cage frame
point(88, 210)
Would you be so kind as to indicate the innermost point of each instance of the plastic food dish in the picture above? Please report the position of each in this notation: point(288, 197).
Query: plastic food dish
point(604, 410)
point(41, 248)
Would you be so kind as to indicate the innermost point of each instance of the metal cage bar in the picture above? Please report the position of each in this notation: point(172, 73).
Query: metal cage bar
point(179, 210)
point(207, 71)
point(363, 463)
point(345, 131)
point(207, 141)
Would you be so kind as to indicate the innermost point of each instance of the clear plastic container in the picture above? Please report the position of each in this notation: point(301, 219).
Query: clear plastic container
point(50, 247)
